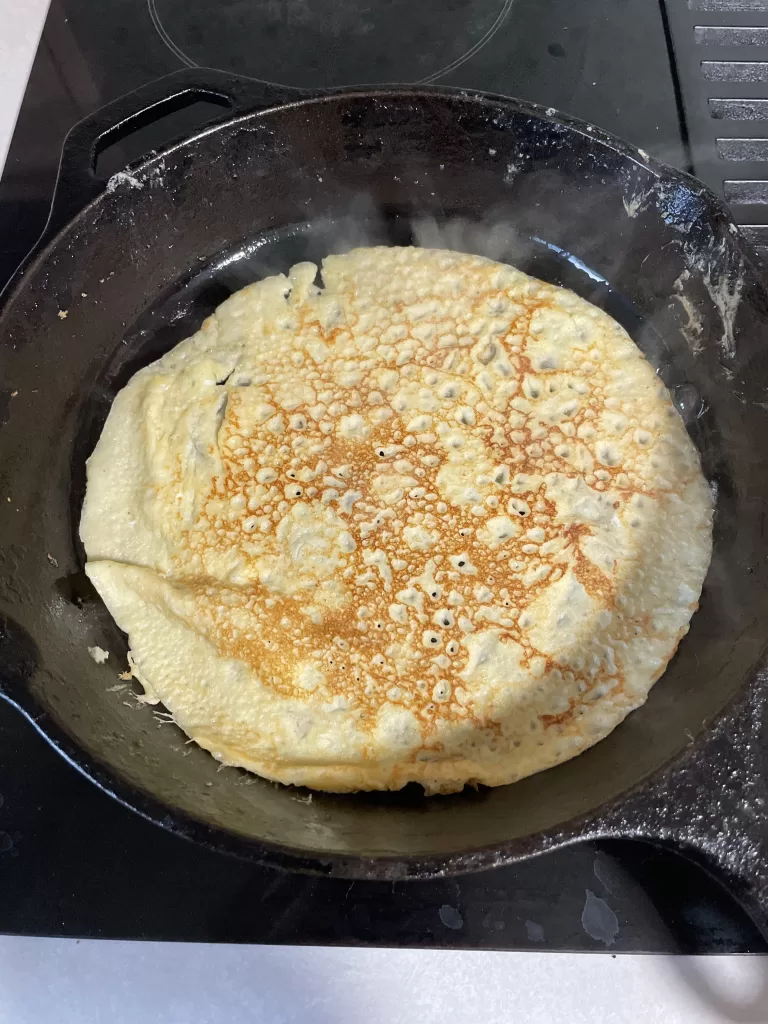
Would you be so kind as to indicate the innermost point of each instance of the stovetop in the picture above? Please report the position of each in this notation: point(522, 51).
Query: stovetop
point(73, 861)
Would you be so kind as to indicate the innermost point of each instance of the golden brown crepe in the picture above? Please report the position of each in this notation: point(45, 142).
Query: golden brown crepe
point(436, 521)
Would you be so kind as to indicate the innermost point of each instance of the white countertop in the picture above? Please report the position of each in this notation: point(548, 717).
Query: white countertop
point(72, 982)
point(21, 22)
point(79, 982)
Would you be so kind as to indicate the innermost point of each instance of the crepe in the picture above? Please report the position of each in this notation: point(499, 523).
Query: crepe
point(434, 522)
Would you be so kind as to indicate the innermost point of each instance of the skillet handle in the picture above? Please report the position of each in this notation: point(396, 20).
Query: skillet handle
point(711, 805)
point(77, 182)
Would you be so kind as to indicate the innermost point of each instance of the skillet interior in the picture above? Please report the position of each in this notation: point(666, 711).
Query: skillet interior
point(139, 269)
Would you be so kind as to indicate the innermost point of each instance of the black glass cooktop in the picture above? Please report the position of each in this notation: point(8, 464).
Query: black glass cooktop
point(74, 862)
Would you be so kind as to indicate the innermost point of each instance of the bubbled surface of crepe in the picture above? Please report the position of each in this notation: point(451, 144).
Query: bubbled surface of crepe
point(436, 521)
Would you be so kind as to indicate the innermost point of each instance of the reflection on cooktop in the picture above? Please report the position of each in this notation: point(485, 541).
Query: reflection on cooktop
point(326, 43)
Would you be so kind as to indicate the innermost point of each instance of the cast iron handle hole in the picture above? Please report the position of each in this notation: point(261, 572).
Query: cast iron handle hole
point(155, 127)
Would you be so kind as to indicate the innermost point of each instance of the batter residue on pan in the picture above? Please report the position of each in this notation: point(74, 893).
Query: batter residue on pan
point(435, 521)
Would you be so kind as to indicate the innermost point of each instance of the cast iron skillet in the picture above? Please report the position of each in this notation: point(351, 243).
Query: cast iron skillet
point(150, 255)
